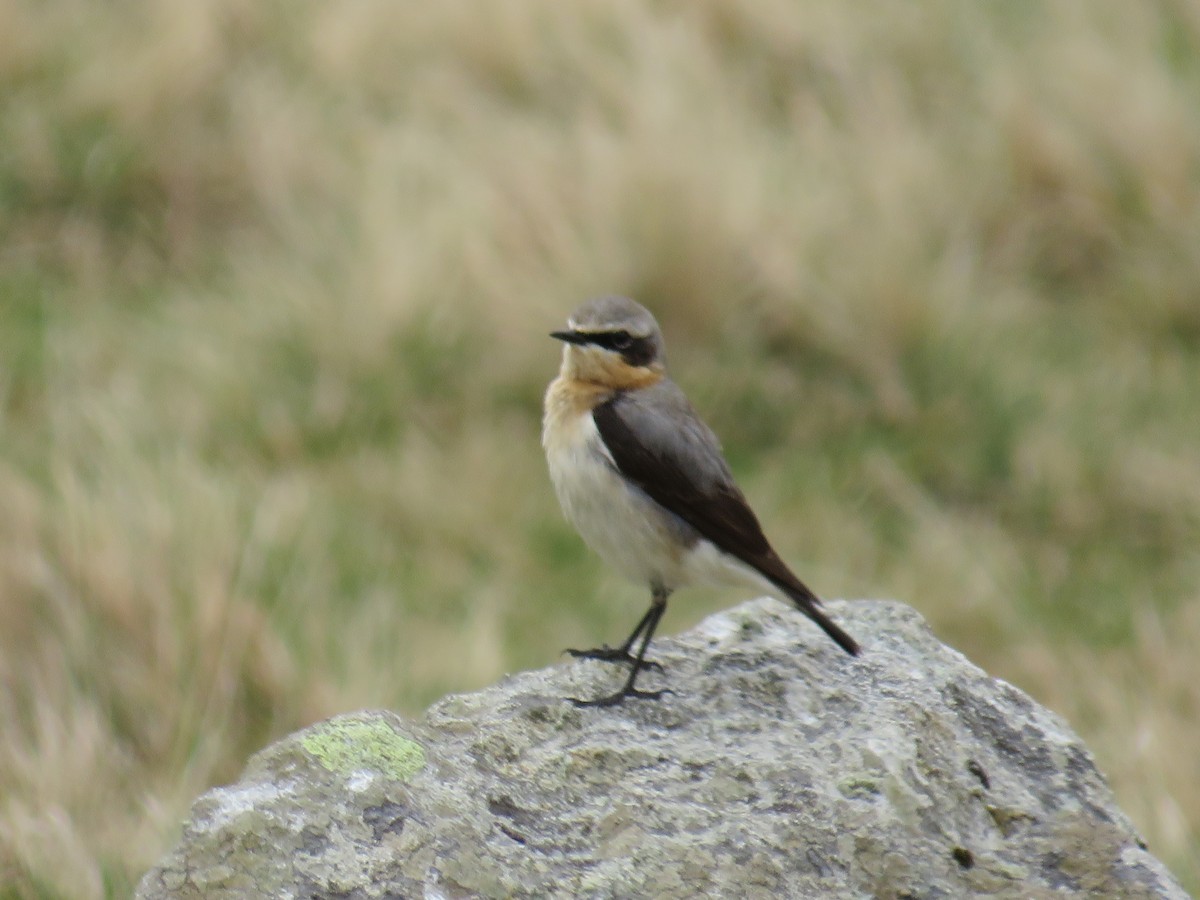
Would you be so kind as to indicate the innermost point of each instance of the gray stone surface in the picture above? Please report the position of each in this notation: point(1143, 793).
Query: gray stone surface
point(779, 767)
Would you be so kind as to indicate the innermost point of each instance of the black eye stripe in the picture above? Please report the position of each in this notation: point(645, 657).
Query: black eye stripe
point(635, 351)
point(618, 341)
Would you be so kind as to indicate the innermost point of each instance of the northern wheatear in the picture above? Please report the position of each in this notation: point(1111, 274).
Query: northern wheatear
point(643, 480)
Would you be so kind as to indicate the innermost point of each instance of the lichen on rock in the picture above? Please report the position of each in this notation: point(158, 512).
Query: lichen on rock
point(353, 743)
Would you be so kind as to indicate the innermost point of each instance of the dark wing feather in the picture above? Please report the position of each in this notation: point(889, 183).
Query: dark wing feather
point(659, 443)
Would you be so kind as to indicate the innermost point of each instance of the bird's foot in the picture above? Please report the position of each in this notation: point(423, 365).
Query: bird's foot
point(620, 696)
point(613, 654)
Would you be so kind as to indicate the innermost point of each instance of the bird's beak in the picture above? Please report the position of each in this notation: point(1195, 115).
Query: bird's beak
point(571, 337)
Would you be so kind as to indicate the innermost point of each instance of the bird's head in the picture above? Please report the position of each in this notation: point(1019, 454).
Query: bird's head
point(614, 342)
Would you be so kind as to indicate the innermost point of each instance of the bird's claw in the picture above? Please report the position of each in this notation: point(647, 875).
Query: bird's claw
point(619, 697)
point(613, 654)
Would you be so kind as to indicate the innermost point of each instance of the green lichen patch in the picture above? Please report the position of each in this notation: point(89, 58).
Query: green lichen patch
point(349, 745)
point(859, 787)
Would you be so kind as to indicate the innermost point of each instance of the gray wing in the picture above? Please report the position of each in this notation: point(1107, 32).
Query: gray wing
point(659, 443)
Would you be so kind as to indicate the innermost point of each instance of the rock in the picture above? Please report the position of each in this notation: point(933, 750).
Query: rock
point(779, 767)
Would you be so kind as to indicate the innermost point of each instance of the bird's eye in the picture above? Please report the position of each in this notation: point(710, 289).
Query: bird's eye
point(621, 340)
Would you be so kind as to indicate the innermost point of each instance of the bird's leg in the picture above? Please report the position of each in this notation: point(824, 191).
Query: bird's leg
point(619, 654)
point(658, 605)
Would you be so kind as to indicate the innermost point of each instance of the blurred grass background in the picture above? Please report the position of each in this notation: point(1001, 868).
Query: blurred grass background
point(275, 282)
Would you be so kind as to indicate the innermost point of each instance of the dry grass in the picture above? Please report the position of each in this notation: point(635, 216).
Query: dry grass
point(274, 287)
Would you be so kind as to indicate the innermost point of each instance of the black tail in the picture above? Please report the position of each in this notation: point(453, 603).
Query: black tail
point(809, 604)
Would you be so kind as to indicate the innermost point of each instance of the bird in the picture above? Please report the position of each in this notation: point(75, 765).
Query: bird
point(643, 480)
